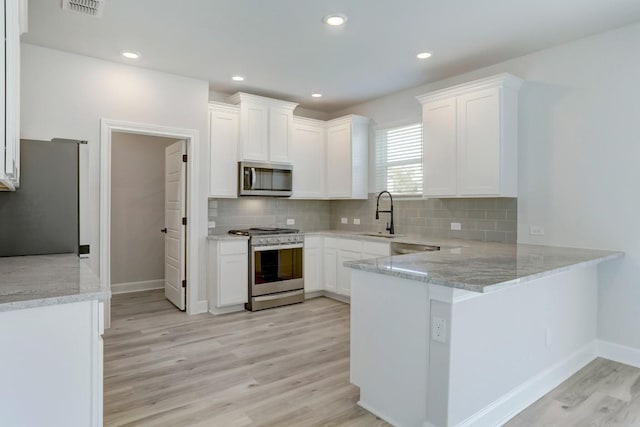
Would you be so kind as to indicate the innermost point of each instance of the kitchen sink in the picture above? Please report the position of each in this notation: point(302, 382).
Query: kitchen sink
point(398, 248)
point(387, 236)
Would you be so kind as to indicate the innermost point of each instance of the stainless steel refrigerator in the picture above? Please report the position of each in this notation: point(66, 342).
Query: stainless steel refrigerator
point(42, 216)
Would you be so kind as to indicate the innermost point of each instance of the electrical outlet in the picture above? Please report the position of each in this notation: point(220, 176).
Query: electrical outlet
point(344, 220)
point(212, 224)
point(356, 221)
point(536, 230)
point(439, 329)
point(291, 221)
point(456, 226)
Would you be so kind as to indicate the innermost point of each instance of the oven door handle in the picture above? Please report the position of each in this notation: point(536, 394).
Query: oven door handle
point(277, 247)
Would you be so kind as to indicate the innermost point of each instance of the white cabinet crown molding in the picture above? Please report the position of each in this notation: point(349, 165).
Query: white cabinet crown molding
point(223, 106)
point(499, 80)
point(237, 98)
point(351, 118)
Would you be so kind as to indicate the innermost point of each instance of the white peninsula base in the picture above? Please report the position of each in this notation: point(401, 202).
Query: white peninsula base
point(498, 352)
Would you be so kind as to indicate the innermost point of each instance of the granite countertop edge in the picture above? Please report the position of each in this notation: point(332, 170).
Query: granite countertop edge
point(101, 295)
point(424, 276)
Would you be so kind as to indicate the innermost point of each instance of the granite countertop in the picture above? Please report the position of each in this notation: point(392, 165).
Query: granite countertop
point(35, 281)
point(484, 267)
point(216, 237)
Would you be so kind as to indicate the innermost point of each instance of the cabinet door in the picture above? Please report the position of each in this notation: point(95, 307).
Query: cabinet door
point(307, 155)
point(339, 161)
point(280, 129)
point(313, 265)
point(439, 149)
point(479, 143)
point(232, 279)
point(223, 143)
point(375, 250)
point(254, 125)
point(344, 273)
point(330, 267)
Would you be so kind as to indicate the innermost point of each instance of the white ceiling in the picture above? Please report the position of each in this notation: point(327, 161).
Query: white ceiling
point(285, 51)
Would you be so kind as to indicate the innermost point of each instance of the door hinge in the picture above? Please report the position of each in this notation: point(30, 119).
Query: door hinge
point(184, 221)
point(184, 158)
point(184, 283)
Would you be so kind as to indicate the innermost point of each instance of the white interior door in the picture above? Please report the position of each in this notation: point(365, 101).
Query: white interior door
point(175, 231)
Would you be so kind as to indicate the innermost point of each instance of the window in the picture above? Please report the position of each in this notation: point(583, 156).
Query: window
point(399, 160)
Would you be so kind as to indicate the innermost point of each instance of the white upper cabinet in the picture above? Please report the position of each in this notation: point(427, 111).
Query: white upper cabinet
point(439, 148)
point(224, 134)
point(347, 157)
point(265, 128)
point(308, 158)
point(13, 21)
point(471, 139)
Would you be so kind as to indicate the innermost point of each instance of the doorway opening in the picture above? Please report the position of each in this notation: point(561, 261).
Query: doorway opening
point(182, 222)
point(148, 189)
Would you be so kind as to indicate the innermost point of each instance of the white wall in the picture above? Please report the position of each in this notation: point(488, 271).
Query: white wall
point(579, 133)
point(137, 208)
point(65, 95)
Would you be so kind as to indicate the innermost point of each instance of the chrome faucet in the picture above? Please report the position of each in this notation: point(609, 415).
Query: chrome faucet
point(390, 227)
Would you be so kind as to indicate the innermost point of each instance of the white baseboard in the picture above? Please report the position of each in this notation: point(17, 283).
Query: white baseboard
point(378, 414)
point(510, 404)
point(199, 307)
point(619, 353)
point(313, 294)
point(147, 285)
point(225, 310)
point(337, 297)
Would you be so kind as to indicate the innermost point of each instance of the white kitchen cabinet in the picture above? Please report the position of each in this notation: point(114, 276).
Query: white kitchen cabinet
point(51, 365)
point(266, 127)
point(439, 147)
point(337, 251)
point(375, 249)
point(308, 158)
point(313, 264)
point(330, 264)
point(227, 275)
point(347, 157)
point(224, 133)
point(470, 139)
point(350, 250)
point(13, 21)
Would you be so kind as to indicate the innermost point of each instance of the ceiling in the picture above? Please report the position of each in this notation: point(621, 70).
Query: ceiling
point(284, 49)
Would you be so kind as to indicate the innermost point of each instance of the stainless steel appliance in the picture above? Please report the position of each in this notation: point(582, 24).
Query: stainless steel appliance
point(275, 267)
point(265, 179)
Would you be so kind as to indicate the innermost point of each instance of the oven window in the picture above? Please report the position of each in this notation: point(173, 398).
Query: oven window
point(277, 265)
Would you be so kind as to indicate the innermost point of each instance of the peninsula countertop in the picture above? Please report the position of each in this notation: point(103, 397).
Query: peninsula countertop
point(40, 280)
point(484, 267)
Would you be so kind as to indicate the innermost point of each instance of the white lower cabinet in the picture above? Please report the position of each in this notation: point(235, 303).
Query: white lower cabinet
point(337, 251)
point(312, 264)
point(51, 365)
point(330, 264)
point(228, 285)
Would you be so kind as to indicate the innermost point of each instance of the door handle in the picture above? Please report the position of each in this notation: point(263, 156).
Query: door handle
point(164, 230)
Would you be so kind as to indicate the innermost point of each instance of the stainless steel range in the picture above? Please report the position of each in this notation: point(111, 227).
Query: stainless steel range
point(275, 267)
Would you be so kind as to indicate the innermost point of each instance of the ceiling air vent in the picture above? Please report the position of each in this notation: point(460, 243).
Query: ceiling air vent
point(86, 7)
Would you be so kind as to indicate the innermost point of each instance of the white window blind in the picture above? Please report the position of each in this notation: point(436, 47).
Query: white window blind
point(399, 160)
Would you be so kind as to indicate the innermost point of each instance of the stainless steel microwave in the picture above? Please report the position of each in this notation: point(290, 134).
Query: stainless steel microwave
point(265, 179)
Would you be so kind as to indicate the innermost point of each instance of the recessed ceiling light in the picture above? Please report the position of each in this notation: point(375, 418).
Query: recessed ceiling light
point(316, 95)
point(237, 78)
point(129, 54)
point(423, 55)
point(335, 19)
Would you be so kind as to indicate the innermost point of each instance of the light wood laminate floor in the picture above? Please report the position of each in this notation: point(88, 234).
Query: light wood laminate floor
point(282, 367)
point(288, 367)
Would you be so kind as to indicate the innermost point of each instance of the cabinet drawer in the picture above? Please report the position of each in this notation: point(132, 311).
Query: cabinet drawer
point(350, 245)
point(231, 248)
